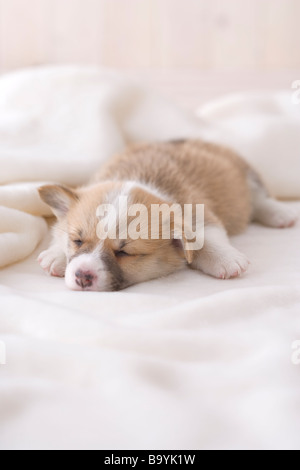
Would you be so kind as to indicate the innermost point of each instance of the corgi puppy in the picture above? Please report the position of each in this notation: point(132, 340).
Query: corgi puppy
point(181, 172)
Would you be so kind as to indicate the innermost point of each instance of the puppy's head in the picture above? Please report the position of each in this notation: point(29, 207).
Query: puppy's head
point(109, 236)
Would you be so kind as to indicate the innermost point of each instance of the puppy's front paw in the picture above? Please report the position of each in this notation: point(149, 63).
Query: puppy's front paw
point(227, 265)
point(232, 265)
point(53, 262)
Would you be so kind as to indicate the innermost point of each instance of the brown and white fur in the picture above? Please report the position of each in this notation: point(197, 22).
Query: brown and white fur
point(182, 172)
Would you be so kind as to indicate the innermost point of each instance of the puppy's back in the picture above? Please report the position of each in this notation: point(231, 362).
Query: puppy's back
point(189, 172)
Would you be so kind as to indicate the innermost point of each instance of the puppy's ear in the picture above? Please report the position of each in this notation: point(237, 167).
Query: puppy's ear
point(59, 198)
point(182, 244)
point(187, 240)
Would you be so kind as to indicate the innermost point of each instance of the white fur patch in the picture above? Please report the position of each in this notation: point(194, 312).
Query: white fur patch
point(149, 189)
point(117, 208)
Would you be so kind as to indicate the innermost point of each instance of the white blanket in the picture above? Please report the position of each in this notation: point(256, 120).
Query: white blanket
point(181, 363)
point(185, 362)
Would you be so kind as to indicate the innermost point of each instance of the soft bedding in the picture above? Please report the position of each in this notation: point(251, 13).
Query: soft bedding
point(183, 362)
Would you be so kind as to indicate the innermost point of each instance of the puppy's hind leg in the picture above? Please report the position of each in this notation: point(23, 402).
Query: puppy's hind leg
point(266, 210)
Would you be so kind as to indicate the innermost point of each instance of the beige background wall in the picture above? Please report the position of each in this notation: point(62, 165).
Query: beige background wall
point(197, 34)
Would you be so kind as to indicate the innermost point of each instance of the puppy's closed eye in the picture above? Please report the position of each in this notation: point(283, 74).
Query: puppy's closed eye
point(121, 254)
point(78, 243)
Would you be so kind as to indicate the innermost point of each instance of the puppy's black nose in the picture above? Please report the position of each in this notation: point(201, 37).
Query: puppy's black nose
point(84, 279)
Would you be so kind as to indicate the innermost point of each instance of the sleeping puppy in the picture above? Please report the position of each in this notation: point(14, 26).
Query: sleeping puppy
point(94, 252)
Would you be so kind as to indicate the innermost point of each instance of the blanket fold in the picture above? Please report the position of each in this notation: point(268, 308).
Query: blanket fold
point(20, 233)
